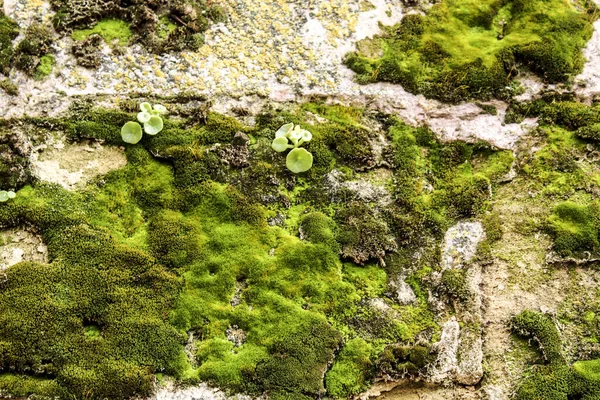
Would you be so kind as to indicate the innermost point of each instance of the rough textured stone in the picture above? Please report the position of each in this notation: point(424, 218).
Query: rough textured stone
point(73, 165)
point(402, 292)
point(446, 364)
point(21, 245)
point(460, 244)
point(236, 335)
point(200, 392)
point(470, 354)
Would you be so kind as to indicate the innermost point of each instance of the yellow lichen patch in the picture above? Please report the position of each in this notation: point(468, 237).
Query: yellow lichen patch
point(288, 41)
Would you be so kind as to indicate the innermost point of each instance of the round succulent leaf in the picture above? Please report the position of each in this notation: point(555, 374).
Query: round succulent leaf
point(145, 106)
point(306, 135)
point(3, 195)
point(11, 194)
point(131, 132)
point(299, 160)
point(284, 130)
point(154, 112)
point(143, 116)
point(280, 144)
point(159, 108)
point(154, 125)
point(296, 133)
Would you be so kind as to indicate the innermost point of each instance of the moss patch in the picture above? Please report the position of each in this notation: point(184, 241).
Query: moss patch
point(555, 379)
point(45, 66)
point(9, 87)
point(90, 282)
point(351, 371)
point(186, 240)
point(158, 25)
point(32, 54)
point(574, 228)
point(462, 50)
point(8, 32)
point(112, 31)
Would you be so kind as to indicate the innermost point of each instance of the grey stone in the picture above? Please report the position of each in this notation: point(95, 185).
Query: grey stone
point(402, 292)
point(470, 354)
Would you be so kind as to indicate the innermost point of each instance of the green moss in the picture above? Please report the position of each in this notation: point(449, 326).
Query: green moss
point(363, 235)
point(31, 54)
point(552, 382)
point(165, 27)
point(435, 183)
point(542, 329)
point(92, 331)
point(352, 370)
point(319, 228)
point(574, 228)
point(112, 30)
point(336, 113)
point(45, 66)
point(495, 165)
point(9, 87)
point(589, 369)
point(556, 109)
point(26, 385)
point(105, 307)
point(349, 142)
point(135, 335)
point(560, 167)
point(492, 224)
point(555, 380)
point(454, 283)
point(488, 108)
point(174, 240)
point(102, 125)
point(8, 32)
point(298, 358)
point(221, 128)
point(554, 168)
point(217, 13)
point(403, 361)
point(176, 244)
point(590, 132)
point(464, 196)
point(469, 50)
point(416, 319)
point(160, 27)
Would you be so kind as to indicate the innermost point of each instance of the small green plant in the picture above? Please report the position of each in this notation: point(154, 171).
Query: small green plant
point(292, 137)
point(5, 196)
point(150, 116)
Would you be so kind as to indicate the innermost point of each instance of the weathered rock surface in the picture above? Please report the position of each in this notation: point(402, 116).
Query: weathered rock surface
point(445, 366)
point(460, 244)
point(73, 165)
point(460, 352)
point(470, 358)
point(200, 392)
point(402, 292)
point(20, 245)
